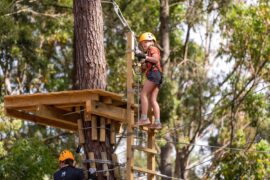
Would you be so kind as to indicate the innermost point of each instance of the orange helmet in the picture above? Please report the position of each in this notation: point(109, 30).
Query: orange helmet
point(147, 36)
point(66, 154)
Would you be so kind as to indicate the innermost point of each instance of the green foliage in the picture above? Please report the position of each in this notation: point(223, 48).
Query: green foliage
point(245, 26)
point(27, 159)
point(168, 100)
point(38, 39)
point(253, 164)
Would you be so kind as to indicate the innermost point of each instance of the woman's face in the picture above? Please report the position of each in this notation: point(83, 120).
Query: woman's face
point(145, 44)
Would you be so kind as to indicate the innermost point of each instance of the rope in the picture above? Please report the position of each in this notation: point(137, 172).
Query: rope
point(101, 161)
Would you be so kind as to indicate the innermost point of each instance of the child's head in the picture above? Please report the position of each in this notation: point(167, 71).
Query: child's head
point(146, 40)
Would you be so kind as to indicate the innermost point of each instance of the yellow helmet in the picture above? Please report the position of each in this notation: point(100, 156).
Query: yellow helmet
point(66, 154)
point(147, 36)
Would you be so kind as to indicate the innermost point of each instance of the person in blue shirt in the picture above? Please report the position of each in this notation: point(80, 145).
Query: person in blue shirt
point(67, 169)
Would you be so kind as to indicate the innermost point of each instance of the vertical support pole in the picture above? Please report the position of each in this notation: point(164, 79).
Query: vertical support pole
point(112, 133)
point(151, 162)
point(104, 165)
point(102, 131)
point(116, 170)
point(94, 127)
point(92, 157)
point(130, 102)
point(80, 130)
point(88, 110)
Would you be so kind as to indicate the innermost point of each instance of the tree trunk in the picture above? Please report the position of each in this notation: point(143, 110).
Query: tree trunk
point(165, 158)
point(90, 64)
point(181, 163)
point(164, 34)
point(90, 67)
point(166, 151)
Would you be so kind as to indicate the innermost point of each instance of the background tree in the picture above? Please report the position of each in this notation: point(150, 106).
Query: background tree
point(215, 90)
point(90, 64)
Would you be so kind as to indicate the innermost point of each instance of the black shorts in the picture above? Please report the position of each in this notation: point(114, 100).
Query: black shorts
point(155, 77)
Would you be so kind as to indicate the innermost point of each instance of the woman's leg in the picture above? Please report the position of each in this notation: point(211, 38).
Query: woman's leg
point(154, 103)
point(148, 87)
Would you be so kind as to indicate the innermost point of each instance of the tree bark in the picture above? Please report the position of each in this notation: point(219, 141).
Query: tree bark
point(181, 163)
point(90, 67)
point(89, 55)
point(164, 34)
point(165, 158)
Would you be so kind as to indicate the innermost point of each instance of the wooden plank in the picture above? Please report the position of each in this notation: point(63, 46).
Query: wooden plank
point(94, 127)
point(64, 97)
point(102, 129)
point(81, 132)
point(104, 165)
point(143, 128)
point(109, 111)
point(41, 120)
point(91, 157)
point(151, 163)
point(88, 110)
point(112, 133)
point(117, 172)
point(147, 150)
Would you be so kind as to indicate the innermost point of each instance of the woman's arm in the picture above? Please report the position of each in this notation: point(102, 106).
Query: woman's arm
point(152, 59)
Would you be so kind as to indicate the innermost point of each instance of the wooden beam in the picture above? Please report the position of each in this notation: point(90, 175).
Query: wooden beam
point(41, 120)
point(49, 112)
point(109, 111)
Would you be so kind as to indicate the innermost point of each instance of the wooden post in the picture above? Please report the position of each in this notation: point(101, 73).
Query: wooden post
point(112, 133)
point(88, 110)
point(102, 131)
point(92, 157)
point(116, 170)
point(104, 165)
point(80, 130)
point(94, 127)
point(151, 163)
point(130, 102)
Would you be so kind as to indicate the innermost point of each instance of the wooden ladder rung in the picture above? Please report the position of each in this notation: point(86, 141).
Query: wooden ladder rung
point(144, 170)
point(144, 128)
point(148, 150)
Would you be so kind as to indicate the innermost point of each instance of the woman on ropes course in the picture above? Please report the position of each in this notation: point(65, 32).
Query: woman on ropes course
point(153, 71)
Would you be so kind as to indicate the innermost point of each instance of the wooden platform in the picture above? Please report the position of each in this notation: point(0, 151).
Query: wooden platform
point(63, 109)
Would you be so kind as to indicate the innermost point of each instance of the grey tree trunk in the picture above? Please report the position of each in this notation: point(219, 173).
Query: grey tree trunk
point(181, 164)
point(166, 163)
point(90, 66)
point(165, 156)
point(164, 34)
